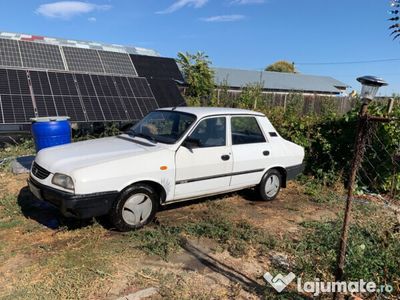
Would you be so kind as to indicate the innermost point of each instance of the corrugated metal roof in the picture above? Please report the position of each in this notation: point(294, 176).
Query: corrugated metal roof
point(279, 81)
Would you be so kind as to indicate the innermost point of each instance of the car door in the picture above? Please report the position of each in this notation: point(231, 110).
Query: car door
point(204, 160)
point(250, 151)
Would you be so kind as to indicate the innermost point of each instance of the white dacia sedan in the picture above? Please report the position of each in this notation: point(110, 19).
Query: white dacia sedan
point(173, 154)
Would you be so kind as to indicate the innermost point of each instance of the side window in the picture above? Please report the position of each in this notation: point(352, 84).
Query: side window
point(245, 130)
point(210, 133)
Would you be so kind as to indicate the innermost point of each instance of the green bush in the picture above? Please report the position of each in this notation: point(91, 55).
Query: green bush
point(329, 143)
point(372, 251)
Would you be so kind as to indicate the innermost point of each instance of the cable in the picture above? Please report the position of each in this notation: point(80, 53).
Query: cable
point(349, 62)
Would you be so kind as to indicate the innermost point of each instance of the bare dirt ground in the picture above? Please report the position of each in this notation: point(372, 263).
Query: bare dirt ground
point(44, 256)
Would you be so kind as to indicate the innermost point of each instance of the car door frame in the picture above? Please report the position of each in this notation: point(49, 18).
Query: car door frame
point(252, 176)
point(227, 175)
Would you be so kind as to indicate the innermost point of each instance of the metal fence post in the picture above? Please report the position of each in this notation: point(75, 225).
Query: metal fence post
point(359, 148)
point(370, 88)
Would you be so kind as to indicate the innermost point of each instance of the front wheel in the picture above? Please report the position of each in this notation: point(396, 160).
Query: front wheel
point(136, 207)
point(270, 185)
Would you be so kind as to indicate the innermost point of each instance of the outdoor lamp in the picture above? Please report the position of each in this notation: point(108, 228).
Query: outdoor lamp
point(370, 86)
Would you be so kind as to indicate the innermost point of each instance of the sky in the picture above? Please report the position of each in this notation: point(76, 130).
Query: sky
point(244, 34)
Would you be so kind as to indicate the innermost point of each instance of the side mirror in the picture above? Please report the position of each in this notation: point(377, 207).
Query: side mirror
point(191, 143)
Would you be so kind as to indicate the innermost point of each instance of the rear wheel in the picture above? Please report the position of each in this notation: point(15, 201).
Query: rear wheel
point(135, 208)
point(270, 185)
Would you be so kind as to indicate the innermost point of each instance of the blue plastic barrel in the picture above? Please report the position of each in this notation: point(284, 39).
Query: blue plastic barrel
point(51, 131)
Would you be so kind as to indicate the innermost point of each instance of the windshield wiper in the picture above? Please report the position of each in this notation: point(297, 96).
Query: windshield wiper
point(142, 135)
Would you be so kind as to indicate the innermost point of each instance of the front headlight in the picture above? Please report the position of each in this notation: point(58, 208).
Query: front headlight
point(64, 181)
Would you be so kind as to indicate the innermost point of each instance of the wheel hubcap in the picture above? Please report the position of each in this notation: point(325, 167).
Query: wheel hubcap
point(137, 209)
point(272, 186)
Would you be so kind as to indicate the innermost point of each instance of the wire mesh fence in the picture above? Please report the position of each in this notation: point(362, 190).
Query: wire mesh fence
point(380, 167)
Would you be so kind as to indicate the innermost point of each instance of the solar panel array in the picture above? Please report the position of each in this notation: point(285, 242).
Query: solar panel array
point(30, 55)
point(82, 97)
point(87, 85)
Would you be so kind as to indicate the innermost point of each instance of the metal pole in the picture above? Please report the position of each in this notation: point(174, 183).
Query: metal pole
point(359, 148)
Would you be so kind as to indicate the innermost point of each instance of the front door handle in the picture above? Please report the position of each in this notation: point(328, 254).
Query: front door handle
point(225, 157)
point(266, 153)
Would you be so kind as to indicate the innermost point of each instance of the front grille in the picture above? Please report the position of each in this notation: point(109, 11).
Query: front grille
point(39, 172)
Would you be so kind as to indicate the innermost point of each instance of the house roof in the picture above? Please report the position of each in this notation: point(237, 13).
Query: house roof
point(276, 81)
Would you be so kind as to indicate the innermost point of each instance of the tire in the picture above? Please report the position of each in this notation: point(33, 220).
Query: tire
point(136, 207)
point(270, 185)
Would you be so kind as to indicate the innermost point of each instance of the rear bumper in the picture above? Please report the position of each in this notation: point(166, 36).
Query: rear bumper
point(71, 205)
point(293, 171)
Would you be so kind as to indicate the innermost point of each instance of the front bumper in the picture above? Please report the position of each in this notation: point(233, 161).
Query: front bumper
point(72, 205)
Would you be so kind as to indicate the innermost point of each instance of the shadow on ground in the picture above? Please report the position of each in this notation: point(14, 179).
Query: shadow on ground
point(50, 216)
point(247, 194)
point(46, 214)
point(217, 266)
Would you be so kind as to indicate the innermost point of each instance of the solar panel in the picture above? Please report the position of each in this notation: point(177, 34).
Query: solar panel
point(112, 105)
point(147, 105)
point(66, 97)
point(16, 109)
point(166, 92)
point(89, 98)
point(41, 56)
point(123, 86)
point(4, 85)
point(156, 67)
point(43, 94)
point(117, 63)
point(45, 106)
point(83, 60)
point(15, 100)
point(40, 83)
point(9, 53)
point(132, 108)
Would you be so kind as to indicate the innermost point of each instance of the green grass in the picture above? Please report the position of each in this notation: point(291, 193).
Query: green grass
point(9, 206)
point(8, 224)
point(318, 192)
point(236, 237)
point(372, 254)
point(160, 240)
point(72, 268)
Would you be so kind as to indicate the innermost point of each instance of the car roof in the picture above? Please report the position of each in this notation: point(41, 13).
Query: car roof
point(201, 112)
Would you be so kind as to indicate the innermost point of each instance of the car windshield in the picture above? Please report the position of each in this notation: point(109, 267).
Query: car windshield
point(163, 126)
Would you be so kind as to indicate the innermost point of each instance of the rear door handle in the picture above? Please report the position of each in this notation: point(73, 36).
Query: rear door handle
point(225, 157)
point(266, 153)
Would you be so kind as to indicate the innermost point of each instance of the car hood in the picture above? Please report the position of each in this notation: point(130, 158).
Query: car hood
point(70, 157)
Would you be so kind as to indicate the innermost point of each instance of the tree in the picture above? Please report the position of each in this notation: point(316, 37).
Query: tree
point(198, 75)
point(281, 66)
point(250, 96)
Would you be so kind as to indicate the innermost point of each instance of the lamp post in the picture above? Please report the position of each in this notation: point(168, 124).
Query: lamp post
point(370, 87)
